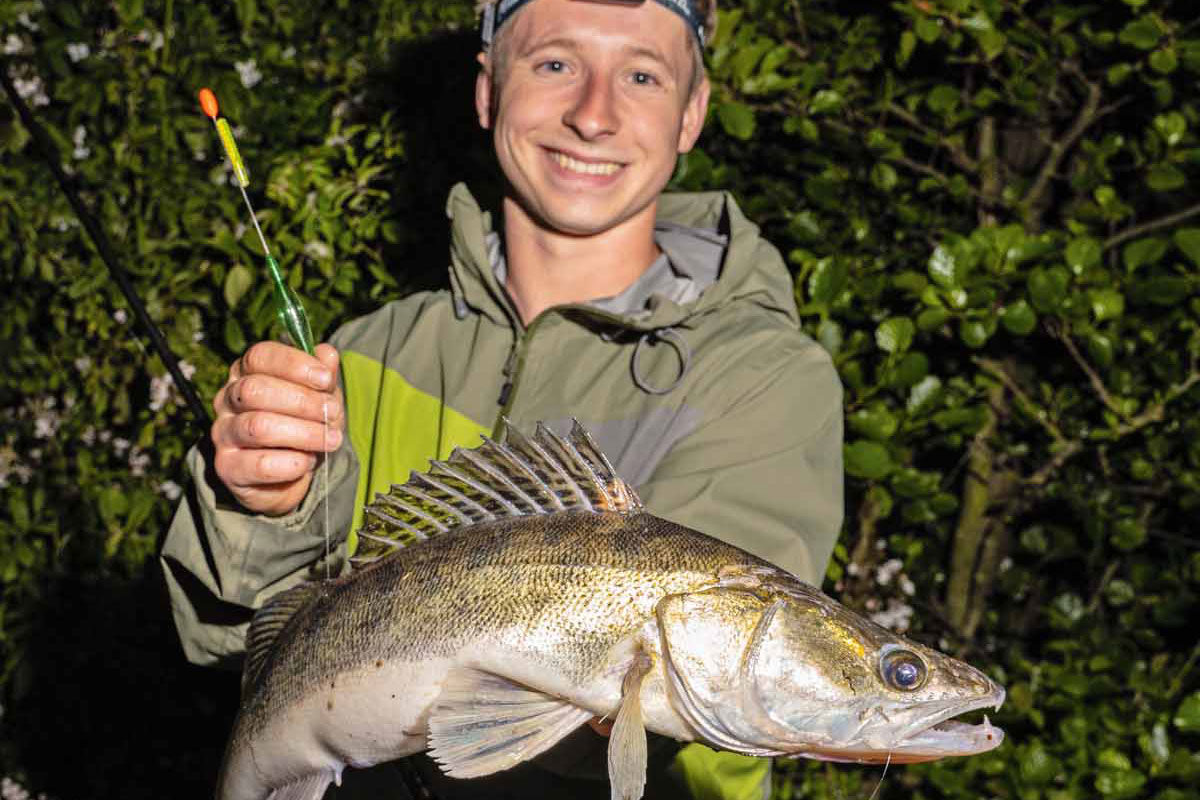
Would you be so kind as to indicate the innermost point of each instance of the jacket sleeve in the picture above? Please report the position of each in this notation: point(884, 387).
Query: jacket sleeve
point(765, 472)
point(222, 562)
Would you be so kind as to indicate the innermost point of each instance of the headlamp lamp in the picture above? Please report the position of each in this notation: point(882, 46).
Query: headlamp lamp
point(497, 13)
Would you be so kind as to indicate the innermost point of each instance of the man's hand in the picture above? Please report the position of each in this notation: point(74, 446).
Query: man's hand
point(270, 425)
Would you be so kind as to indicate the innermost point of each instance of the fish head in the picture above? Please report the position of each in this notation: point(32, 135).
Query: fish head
point(784, 670)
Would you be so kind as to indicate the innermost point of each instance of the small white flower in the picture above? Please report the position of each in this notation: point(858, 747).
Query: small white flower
point(897, 616)
point(888, 570)
point(105, 437)
point(317, 250)
point(78, 51)
point(27, 21)
point(187, 369)
point(157, 40)
point(198, 336)
point(907, 586)
point(138, 461)
point(853, 569)
point(83, 364)
point(120, 316)
point(45, 426)
point(11, 790)
point(88, 437)
point(32, 90)
point(120, 445)
point(1006, 564)
point(170, 489)
point(248, 72)
point(160, 391)
point(79, 137)
point(13, 45)
point(288, 53)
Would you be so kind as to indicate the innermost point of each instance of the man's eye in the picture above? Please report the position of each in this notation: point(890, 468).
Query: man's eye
point(552, 66)
point(645, 79)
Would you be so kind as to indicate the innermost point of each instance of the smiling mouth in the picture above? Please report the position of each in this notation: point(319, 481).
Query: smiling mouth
point(601, 168)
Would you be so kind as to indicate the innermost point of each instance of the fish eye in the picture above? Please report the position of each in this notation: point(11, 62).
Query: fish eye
point(903, 670)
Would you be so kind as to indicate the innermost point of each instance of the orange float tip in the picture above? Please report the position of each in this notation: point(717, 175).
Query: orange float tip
point(208, 102)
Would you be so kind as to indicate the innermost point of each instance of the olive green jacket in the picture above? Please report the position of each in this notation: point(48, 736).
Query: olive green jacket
point(700, 388)
point(696, 382)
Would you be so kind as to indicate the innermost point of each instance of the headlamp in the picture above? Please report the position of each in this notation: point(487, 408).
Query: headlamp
point(497, 13)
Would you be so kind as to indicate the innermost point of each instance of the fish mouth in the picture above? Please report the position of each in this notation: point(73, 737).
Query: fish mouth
point(936, 735)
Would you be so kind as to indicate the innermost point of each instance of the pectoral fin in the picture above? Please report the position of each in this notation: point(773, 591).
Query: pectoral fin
point(627, 743)
point(484, 723)
point(310, 787)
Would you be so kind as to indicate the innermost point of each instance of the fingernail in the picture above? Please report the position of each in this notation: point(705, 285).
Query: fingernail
point(334, 439)
point(323, 377)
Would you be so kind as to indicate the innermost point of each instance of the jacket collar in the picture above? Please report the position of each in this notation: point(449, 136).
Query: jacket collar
point(712, 256)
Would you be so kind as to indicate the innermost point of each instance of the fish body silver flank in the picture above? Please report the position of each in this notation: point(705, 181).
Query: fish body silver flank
point(519, 589)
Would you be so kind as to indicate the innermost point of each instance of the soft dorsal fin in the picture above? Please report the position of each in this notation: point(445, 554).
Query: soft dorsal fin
point(268, 622)
point(517, 477)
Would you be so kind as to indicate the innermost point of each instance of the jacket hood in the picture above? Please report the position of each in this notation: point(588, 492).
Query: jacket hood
point(749, 268)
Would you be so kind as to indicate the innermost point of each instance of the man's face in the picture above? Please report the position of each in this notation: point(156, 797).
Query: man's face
point(592, 109)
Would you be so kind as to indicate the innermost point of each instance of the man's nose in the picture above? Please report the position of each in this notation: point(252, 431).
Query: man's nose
point(594, 113)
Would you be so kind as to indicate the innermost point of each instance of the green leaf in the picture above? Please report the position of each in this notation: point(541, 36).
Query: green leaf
point(1128, 534)
point(1187, 716)
point(737, 119)
point(875, 422)
point(1083, 253)
point(868, 460)
point(932, 318)
point(237, 283)
point(895, 335)
point(944, 267)
point(1018, 318)
point(1143, 33)
point(1188, 240)
point(943, 99)
point(884, 177)
point(924, 395)
point(824, 102)
point(1119, 785)
point(908, 42)
point(1165, 178)
point(1171, 126)
point(827, 281)
point(974, 333)
point(1164, 61)
point(1107, 304)
point(1141, 252)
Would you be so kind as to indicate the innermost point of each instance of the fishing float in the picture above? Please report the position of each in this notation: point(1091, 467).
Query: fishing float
point(288, 308)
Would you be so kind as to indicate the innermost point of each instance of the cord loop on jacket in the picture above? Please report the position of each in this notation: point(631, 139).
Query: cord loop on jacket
point(678, 344)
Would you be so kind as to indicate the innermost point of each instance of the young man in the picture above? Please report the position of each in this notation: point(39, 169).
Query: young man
point(662, 322)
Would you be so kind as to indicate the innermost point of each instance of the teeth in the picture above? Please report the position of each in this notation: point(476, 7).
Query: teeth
point(583, 168)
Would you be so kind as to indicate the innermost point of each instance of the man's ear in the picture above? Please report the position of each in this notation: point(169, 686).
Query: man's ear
point(693, 115)
point(483, 91)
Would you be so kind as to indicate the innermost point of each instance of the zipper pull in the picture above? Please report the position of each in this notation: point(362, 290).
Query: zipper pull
point(507, 370)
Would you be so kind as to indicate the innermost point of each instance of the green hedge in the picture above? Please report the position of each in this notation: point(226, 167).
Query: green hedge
point(990, 207)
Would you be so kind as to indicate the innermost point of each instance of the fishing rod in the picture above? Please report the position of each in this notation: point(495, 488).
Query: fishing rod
point(49, 153)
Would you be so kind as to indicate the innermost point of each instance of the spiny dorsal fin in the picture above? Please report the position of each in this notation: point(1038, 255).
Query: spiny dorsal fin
point(517, 477)
point(268, 622)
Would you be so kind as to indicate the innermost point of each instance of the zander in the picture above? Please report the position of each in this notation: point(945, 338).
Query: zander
point(519, 589)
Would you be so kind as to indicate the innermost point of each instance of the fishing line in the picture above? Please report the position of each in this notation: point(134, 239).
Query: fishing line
point(325, 479)
point(882, 775)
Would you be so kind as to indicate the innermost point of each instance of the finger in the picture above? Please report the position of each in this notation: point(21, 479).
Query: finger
point(266, 429)
point(288, 363)
point(262, 469)
point(268, 393)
